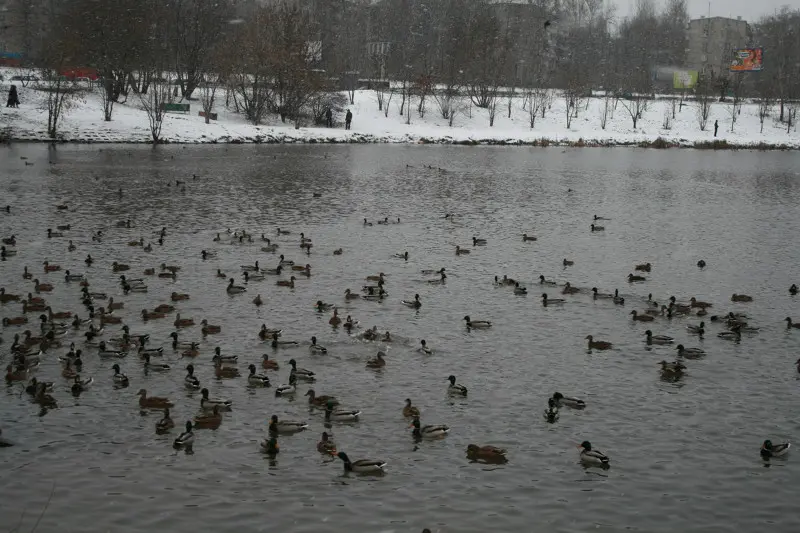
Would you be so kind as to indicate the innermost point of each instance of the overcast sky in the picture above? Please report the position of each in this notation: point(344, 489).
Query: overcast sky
point(750, 10)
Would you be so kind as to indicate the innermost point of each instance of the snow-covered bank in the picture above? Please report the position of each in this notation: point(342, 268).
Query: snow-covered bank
point(84, 123)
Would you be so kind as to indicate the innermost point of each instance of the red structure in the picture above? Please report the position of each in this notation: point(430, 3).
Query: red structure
point(80, 72)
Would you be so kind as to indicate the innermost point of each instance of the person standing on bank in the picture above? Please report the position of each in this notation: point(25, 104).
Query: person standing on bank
point(13, 97)
point(329, 118)
point(716, 127)
point(348, 118)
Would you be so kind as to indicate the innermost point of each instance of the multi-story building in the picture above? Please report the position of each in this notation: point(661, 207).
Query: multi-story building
point(711, 42)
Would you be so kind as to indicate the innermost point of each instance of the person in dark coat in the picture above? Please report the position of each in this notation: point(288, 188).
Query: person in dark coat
point(13, 97)
point(348, 118)
point(716, 127)
point(329, 118)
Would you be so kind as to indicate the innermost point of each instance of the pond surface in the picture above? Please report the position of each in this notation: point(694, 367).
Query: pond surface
point(684, 454)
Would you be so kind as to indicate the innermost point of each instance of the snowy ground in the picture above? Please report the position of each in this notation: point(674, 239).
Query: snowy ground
point(84, 123)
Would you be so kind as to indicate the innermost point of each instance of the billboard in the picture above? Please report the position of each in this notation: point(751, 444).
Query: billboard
point(684, 79)
point(747, 60)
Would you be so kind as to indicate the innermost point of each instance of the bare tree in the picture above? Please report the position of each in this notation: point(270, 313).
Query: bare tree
point(154, 103)
point(537, 98)
point(735, 107)
point(704, 99)
point(60, 96)
point(765, 104)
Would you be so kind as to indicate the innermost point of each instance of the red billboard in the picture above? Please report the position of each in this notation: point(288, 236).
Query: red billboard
point(747, 60)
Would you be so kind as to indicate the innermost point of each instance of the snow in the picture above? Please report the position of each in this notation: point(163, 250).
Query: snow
point(129, 124)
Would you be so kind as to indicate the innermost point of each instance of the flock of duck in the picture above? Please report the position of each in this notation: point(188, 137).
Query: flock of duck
point(91, 328)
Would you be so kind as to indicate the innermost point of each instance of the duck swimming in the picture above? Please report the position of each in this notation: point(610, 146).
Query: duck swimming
point(592, 457)
point(455, 389)
point(428, 432)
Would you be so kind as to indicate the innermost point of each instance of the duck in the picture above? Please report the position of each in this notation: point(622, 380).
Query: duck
point(42, 398)
point(741, 298)
point(335, 320)
point(251, 268)
point(598, 345)
point(316, 348)
point(519, 290)
point(79, 385)
point(528, 238)
point(551, 414)
point(338, 251)
point(698, 304)
point(208, 329)
point(379, 277)
point(641, 318)
point(5, 252)
point(689, 352)
point(209, 421)
point(301, 373)
point(632, 278)
point(42, 287)
point(257, 301)
point(735, 334)
point(378, 361)
point(185, 439)
point(340, 415)
point(477, 324)
point(461, 251)
point(595, 227)
point(288, 390)
point(119, 267)
point(486, 454)
point(429, 431)
point(5, 297)
point(191, 381)
point(119, 378)
point(152, 402)
point(15, 375)
point(790, 324)
point(269, 364)
point(545, 281)
point(696, 329)
point(415, 303)
point(304, 270)
point(319, 401)
point(253, 276)
point(274, 271)
point(257, 380)
point(72, 277)
point(285, 427)
point(455, 389)
point(592, 457)
point(567, 401)
point(284, 262)
point(701, 264)
point(88, 260)
point(326, 445)
point(103, 351)
point(644, 267)
point(286, 283)
point(793, 290)
point(51, 268)
point(234, 289)
point(477, 242)
point(569, 289)
point(409, 410)
point(177, 297)
point(362, 466)
point(165, 424)
point(551, 301)
point(673, 368)
point(191, 351)
point(154, 367)
point(441, 280)
point(774, 450)
point(208, 404)
point(33, 386)
point(423, 348)
point(658, 339)
point(223, 371)
point(182, 322)
point(596, 294)
point(277, 344)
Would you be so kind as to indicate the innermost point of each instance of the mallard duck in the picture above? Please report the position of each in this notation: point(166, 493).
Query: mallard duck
point(316, 348)
point(362, 466)
point(223, 371)
point(569, 289)
point(349, 295)
point(698, 304)
point(42, 398)
point(119, 267)
point(701, 264)
point(72, 277)
point(551, 301)
point(209, 421)
point(257, 301)
point(698, 329)
point(251, 268)
point(253, 276)
point(191, 381)
point(15, 375)
point(119, 378)
point(378, 361)
point(644, 267)
point(409, 410)
point(423, 348)
point(301, 373)
point(286, 283)
point(428, 432)
point(5, 297)
point(33, 386)
point(477, 242)
point(207, 403)
point(551, 414)
point(234, 289)
point(165, 424)
point(528, 238)
point(486, 454)
point(51, 268)
point(598, 345)
point(415, 303)
point(790, 324)
point(596, 294)
point(641, 318)
point(477, 324)
point(567, 401)
point(689, 352)
point(182, 322)
point(741, 298)
point(673, 368)
point(519, 290)
point(326, 445)
point(657, 339)
point(592, 457)
point(793, 289)
point(335, 320)
point(79, 385)
point(597, 228)
point(285, 262)
point(105, 352)
point(340, 415)
point(42, 287)
point(454, 389)
point(285, 427)
point(257, 380)
point(461, 251)
point(774, 450)
point(154, 367)
point(185, 439)
point(319, 401)
point(153, 402)
point(274, 271)
point(208, 329)
point(177, 297)
point(288, 390)
point(277, 344)
point(270, 446)
point(147, 315)
point(191, 351)
point(632, 278)
point(269, 364)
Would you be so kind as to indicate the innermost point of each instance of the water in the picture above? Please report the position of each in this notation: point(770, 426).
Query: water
point(684, 455)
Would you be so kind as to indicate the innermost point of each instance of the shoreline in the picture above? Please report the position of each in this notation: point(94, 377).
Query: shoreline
point(659, 143)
